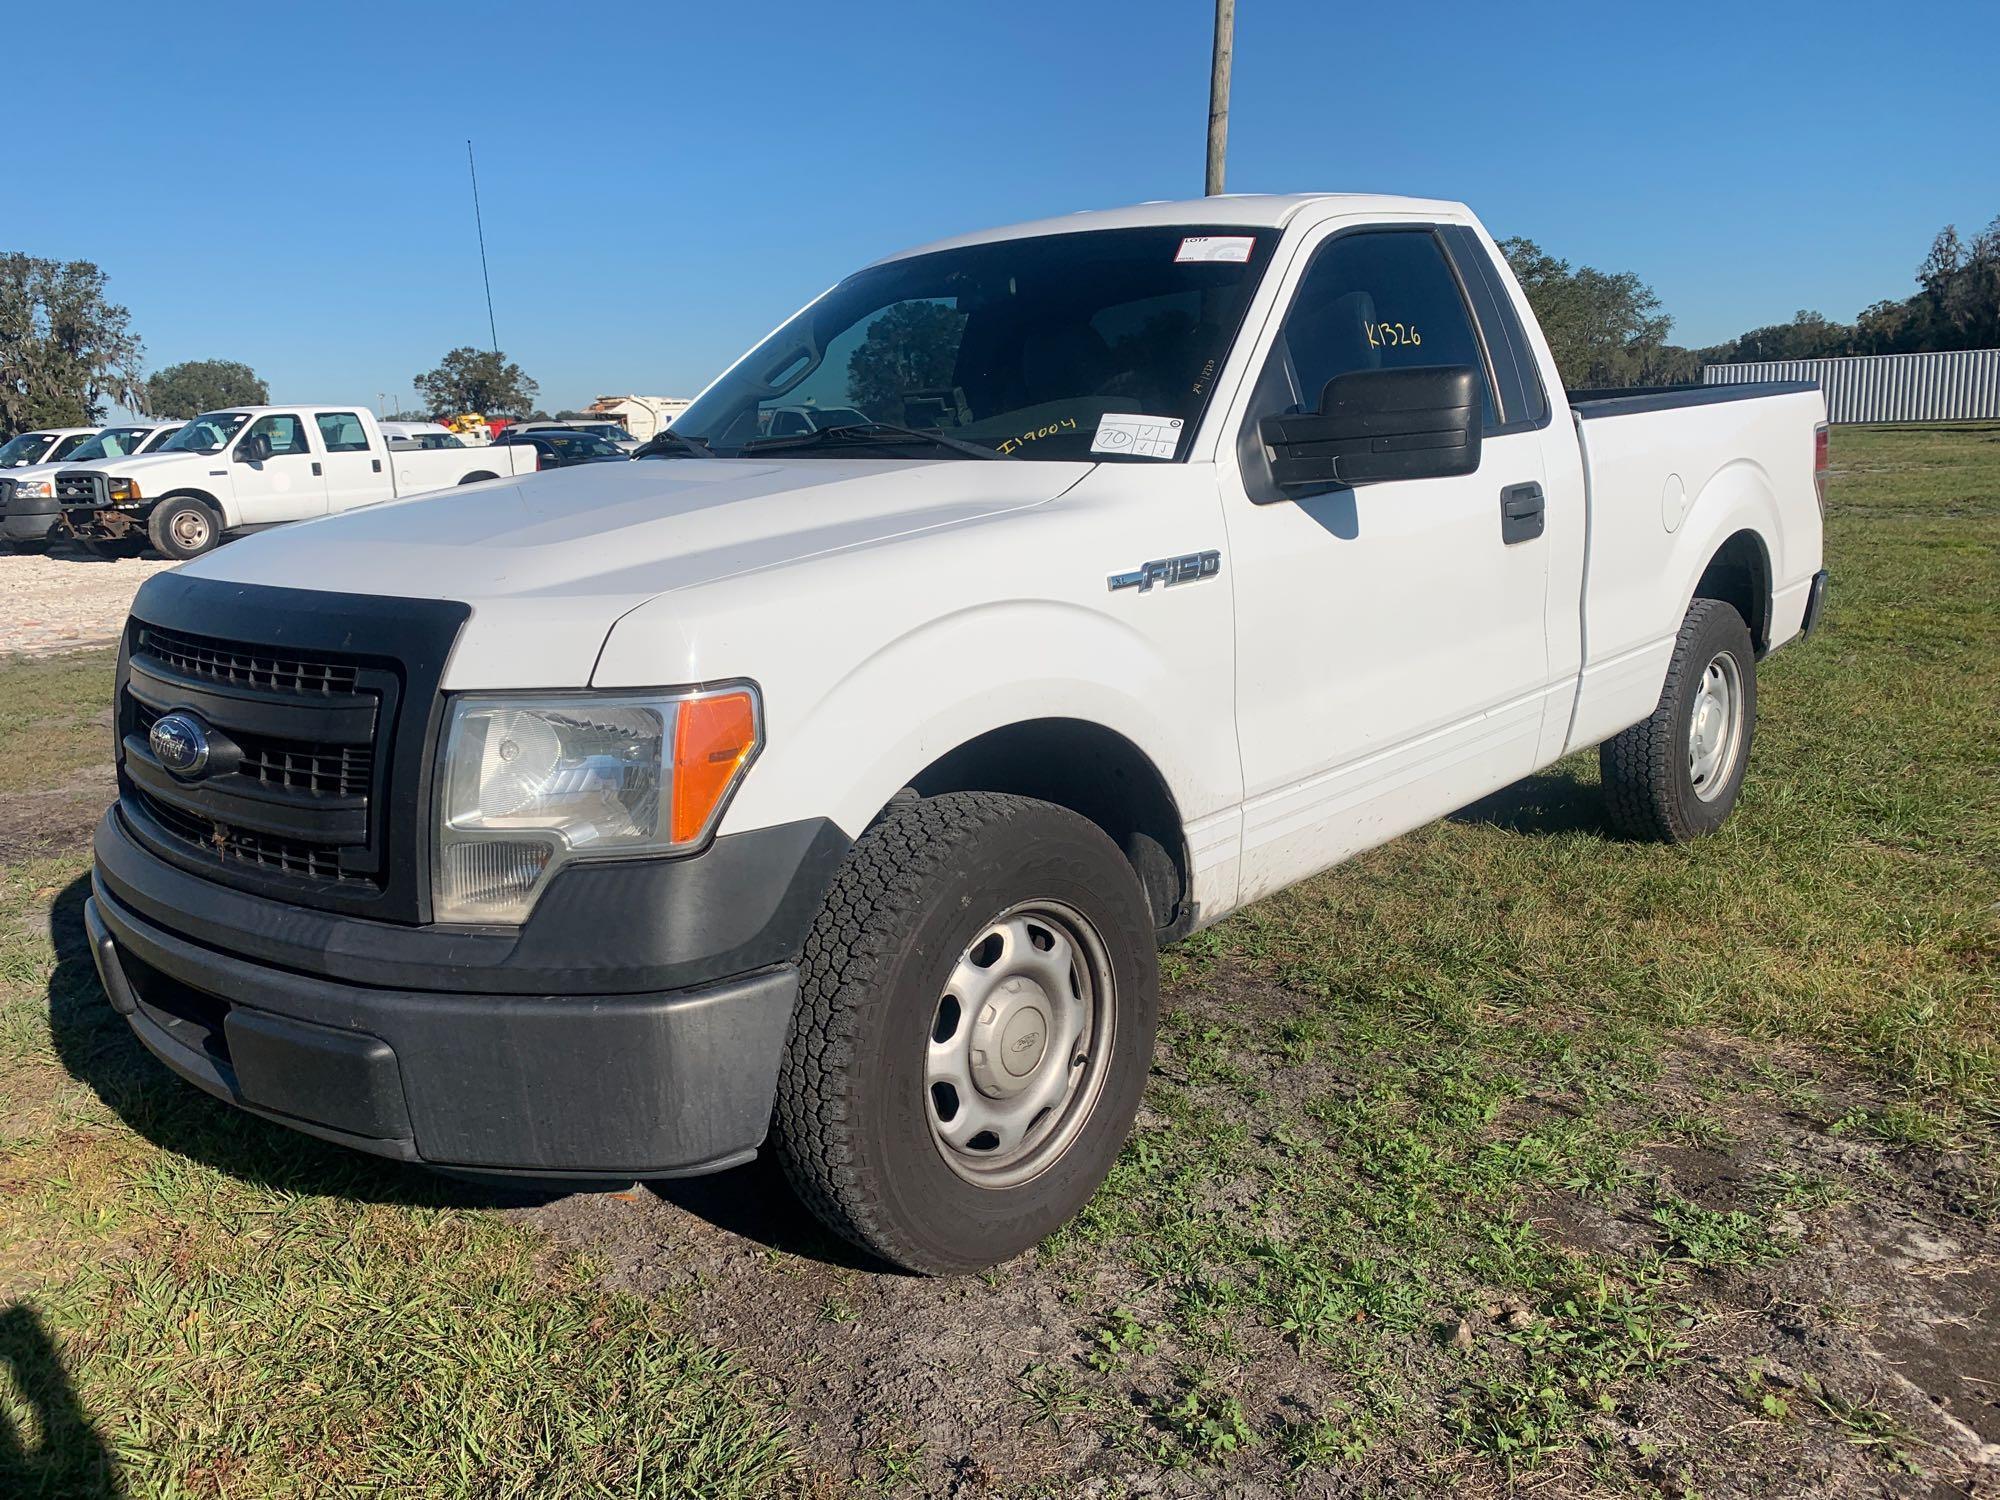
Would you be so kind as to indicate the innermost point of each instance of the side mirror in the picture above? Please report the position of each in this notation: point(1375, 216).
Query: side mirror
point(1419, 423)
point(255, 449)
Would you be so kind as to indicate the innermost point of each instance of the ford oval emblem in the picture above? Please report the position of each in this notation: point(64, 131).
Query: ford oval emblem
point(179, 742)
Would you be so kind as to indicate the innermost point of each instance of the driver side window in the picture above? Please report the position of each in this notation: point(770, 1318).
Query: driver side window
point(1382, 299)
point(287, 434)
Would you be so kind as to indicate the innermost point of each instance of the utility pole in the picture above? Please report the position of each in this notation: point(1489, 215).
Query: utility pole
point(1218, 93)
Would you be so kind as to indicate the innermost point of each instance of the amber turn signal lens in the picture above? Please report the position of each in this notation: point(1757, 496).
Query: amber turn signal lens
point(714, 739)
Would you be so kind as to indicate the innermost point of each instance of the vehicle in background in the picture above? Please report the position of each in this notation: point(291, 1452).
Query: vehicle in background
point(43, 445)
point(838, 788)
point(29, 512)
point(644, 417)
point(248, 467)
point(561, 448)
point(420, 435)
point(611, 432)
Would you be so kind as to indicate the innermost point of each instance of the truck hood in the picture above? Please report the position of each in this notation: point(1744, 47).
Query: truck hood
point(549, 562)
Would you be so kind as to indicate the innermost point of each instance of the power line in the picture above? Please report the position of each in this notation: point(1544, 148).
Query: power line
point(481, 227)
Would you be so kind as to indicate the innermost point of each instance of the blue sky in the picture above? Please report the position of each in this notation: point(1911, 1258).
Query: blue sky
point(288, 187)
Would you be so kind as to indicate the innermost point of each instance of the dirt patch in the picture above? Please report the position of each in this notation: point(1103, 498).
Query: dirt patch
point(43, 824)
point(1857, 1352)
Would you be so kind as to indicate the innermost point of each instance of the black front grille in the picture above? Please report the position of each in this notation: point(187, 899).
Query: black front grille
point(245, 666)
point(320, 708)
point(289, 791)
point(279, 856)
point(323, 770)
point(81, 488)
point(6, 495)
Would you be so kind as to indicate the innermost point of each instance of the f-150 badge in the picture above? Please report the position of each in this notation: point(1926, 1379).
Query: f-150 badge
point(1168, 571)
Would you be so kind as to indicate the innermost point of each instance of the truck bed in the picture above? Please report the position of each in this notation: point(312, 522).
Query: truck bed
point(1672, 474)
point(1623, 401)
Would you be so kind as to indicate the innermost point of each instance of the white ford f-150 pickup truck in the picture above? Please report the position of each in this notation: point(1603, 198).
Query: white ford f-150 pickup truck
point(835, 786)
point(249, 467)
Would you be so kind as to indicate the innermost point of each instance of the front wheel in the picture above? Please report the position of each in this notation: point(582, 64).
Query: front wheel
point(182, 527)
point(980, 995)
point(1675, 776)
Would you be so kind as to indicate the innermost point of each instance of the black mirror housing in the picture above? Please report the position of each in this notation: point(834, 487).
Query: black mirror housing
point(254, 449)
point(1372, 425)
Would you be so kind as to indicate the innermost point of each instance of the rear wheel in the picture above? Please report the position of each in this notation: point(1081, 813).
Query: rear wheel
point(1676, 775)
point(980, 993)
point(182, 526)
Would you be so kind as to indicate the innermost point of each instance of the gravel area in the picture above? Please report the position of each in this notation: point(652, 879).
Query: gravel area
point(66, 601)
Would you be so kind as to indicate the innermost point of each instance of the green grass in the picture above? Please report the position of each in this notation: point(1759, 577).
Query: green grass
point(1449, 1162)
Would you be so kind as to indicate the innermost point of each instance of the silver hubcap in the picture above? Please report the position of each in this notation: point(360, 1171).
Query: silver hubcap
point(1715, 730)
point(1018, 1044)
point(191, 529)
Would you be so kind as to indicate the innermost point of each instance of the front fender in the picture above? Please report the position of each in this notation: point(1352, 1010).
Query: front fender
point(842, 748)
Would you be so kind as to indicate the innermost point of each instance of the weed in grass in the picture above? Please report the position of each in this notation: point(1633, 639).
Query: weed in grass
point(1709, 1239)
point(1205, 1424)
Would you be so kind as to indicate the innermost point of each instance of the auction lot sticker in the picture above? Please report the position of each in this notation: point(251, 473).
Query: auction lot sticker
point(1136, 435)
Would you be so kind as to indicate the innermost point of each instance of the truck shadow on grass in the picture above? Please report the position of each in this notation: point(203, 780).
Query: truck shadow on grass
point(60, 1452)
point(97, 1048)
point(1545, 805)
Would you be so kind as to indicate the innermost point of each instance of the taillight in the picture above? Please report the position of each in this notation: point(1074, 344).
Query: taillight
point(1822, 450)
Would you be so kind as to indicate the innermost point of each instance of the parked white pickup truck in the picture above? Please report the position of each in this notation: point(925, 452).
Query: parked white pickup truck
point(30, 515)
point(250, 467)
point(839, 785)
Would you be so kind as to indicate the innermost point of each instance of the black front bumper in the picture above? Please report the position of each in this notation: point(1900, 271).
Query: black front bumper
point(29, 519)
point(307, 1018)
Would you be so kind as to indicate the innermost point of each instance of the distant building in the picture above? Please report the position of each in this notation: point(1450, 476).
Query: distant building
point(643, 416)
point(1961, 385)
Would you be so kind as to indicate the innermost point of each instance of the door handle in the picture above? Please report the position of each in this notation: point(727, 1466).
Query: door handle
point(315, 466)
point(1523, 513)
point(375, 465)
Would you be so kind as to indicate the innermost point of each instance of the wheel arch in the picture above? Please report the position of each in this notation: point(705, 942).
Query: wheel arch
point(1738, 573)
point(1095, 772)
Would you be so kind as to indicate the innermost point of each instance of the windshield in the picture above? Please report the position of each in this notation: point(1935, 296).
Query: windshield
point(579, 445)
point(209, 434)
point(113, 442)
point(1033, 347)
point(26, 449)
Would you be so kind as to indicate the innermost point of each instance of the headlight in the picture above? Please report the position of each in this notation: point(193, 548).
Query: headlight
point(33, 489)
point(526, 786)
point(124, 490)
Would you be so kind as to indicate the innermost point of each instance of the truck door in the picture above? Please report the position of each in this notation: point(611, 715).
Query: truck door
point(355, 473)
point(286, 486)
point(1391, 651)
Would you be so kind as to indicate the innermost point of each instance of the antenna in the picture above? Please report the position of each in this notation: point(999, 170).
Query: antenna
point(481, 227)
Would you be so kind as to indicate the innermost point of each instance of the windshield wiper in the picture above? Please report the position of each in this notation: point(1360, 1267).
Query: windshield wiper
point(667, 441)
point(884, 432)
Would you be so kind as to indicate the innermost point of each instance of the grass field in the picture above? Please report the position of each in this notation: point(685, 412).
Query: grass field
point(1507, 1156)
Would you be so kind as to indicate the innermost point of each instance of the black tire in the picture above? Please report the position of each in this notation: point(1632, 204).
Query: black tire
point(853, 1122)
point(183, 526)
point(1649, 783)
point(478, 478)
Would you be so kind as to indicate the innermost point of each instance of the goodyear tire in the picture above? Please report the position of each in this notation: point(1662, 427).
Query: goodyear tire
point(1676, 775)
point(980, 995)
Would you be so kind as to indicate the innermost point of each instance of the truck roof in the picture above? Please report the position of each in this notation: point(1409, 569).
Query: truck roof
point(288, 407)
point(1235, 210)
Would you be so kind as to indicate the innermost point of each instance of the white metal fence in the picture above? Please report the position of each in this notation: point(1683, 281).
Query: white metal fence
point(1959, 386)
